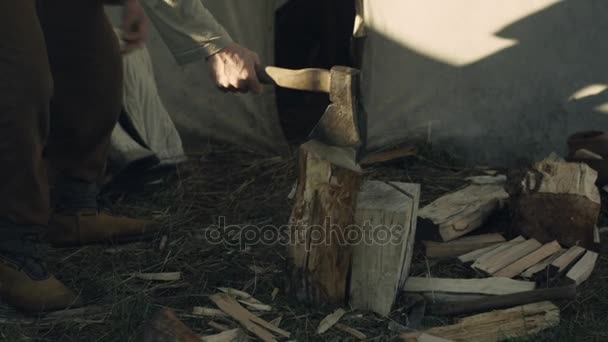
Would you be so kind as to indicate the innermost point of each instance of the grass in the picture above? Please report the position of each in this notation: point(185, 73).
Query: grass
point(246, 188)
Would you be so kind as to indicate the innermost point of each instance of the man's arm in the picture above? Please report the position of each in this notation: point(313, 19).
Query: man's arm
point(192, 34)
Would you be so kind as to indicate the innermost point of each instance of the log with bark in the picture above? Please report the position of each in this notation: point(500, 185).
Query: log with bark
point(319, 253)
point(555, 200)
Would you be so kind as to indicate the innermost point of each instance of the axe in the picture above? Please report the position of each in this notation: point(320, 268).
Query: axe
point(344, 123)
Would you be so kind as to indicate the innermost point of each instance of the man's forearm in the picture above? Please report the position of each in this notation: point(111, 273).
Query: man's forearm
point(188, 29)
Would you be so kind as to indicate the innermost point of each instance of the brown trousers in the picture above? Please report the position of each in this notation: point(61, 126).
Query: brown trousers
point(60, 97)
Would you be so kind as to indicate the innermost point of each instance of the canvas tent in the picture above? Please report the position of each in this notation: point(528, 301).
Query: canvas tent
point(490, 80)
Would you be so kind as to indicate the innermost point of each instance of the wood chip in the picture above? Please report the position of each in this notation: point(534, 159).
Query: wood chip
point(249, 321)
point(167, 276)
point(255, 306)
point(163, 243)
point(351, 331)
point(330, 321)
point(275, 292)
point(207, 312)
point(218, 326)
point(586, 154)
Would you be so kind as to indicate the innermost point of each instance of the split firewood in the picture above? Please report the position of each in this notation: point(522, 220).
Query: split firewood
point(489, 251)
point(351, 331)
point(560, 265)
point(167, 276)
point(330, 321)
point(504, 258)
point(556, 201)
point(234, 335)
point(246, 299)
point(166, 327)
point(529, 260)
point(489, 303)
point(328, 184)
point(249, 321)
point(381, 263)
point(530, 272)
point(461, 212)
point(485, 286)
point(582, 270)
point(461, 246)
point(501, 325)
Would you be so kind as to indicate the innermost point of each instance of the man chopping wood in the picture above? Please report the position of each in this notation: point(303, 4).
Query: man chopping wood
point(60, 98)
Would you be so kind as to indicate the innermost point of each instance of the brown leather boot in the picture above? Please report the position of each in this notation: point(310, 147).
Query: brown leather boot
point(87, 226)
point(25, 283)
point(76, 219)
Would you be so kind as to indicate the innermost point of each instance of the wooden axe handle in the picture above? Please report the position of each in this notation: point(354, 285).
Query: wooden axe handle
point(317, 80)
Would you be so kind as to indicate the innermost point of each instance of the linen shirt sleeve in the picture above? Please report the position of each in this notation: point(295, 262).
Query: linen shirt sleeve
point(188, 29)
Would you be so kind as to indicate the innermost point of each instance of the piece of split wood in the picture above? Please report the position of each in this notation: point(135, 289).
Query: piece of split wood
point(582, 270)
point(529, 260)
point(487, 180)
point(596, 236)
point(242, 296)
point(499, 325)
point(530, 272)
point(225, 336)
point(256, 307)
point(378, 268)
point(167, 276)
point(504, 258)
point(249, 321)
point(486, 253)
point(277, 321)
point(485, 286)
point(218, 326)
point(461, 212)
point(330, 321)
point(208, 312)
point(351, 331)
point(586, 154)
point(461, 246)
point(567, 259)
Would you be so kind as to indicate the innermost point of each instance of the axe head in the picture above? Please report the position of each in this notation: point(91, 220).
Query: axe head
point(343, 124)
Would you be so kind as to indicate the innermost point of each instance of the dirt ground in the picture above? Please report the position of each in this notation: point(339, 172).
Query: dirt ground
point(245, 189)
